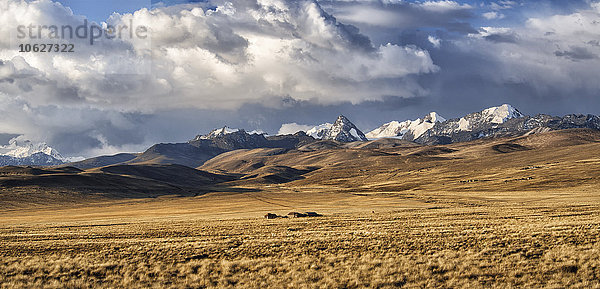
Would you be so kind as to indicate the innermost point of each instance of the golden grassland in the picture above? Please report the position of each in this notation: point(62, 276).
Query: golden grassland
point(538, 245)
point(521, 212)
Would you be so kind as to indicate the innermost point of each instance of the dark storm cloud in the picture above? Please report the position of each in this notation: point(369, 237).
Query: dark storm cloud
point(502, 38)
point(6, 137)
point(73, 143)
point(357, 40)
point(475, 73)
point(576, 53)
point(228, 45)
point(500, 65)
point(460, 27)
point(474, 79)
point(402, 15)
point(103, 132)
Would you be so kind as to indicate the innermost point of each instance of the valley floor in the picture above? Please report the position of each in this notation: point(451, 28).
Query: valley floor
point(381, 241)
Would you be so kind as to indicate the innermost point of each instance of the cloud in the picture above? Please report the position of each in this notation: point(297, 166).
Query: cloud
point(548, 63)
point(576, 53)
point(493, 15)
point(501, 5)
point(436, 42)
point(74, 131)
point(257, 64)
point(443, 6)
point(213, 55)
point(292, 128)
point(6, 137)
point(272, 48)
point(497, 34)
point(402, 15)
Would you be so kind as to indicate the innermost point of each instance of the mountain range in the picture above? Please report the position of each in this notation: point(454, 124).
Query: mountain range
point(25, 153)
point(502, 121)
point(432, 129)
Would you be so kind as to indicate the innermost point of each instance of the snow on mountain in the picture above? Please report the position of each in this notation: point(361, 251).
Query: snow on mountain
point(393, 129)
point(493, 115)
point(501, 113)
point(434, 117)
point(18, 152)
point(259, 132)
point(504, 120)
point(218, 132)
point(344, 130)
point(23, 149)
point(463, 124)
point(409, 130)
point(319, 131)
point(37, 159)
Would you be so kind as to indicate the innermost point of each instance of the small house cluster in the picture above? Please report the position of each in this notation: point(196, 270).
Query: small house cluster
point(293, 215)
point(303, 215)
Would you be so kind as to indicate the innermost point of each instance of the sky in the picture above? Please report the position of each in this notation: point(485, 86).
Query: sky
point(99, 11)
point(259, 64)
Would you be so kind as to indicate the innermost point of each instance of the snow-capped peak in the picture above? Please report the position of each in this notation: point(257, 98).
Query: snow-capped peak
point(494, 115)
point(434, 117)
point(23, 149)
point(502, 113)
point(345, 131)
point(319, 131)
point(409, 129)
point(342, 130)
point(219, 132)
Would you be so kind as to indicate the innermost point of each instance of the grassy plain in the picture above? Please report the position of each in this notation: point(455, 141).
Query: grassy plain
point(502, 214)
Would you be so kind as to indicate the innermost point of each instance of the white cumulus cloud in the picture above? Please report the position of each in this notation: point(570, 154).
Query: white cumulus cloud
point(292, 128)
point(436, 42)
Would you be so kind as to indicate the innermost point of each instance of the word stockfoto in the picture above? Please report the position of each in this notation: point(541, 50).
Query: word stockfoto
point(84, 31)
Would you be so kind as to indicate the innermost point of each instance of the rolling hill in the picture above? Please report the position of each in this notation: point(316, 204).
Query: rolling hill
point(550, 161)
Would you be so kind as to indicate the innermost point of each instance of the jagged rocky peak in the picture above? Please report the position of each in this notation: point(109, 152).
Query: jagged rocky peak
point(343, 130)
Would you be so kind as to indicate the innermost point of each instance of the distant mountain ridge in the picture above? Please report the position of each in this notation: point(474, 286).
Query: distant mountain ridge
point(204, 147)
point(501, 121)
point(36, 159)
point(27, 153)
point(102, 161)
point(221, 132)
